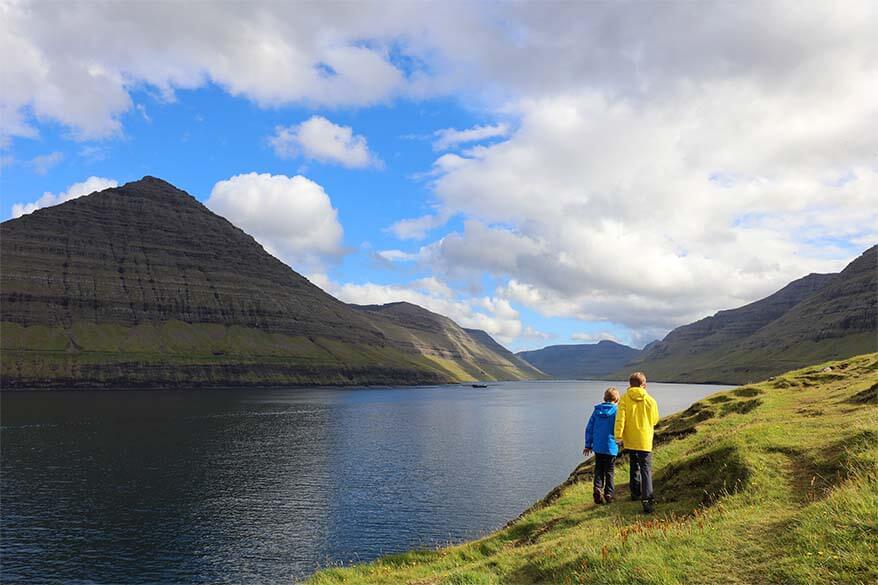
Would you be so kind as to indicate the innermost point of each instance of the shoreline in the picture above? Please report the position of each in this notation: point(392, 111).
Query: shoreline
point(59, 387)
point(707, 479)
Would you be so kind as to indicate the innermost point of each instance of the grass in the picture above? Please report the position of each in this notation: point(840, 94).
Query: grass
point(737, 365)
point(175, 352)
point(775, 482)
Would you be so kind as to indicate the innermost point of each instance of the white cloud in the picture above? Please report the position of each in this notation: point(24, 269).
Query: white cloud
point(450, 137)
point(417, 228)
point(319, 139)
point(320, 54)
point(271, 53)
point(493, 315)
point(90, 185)
point(397, 256)
point(594, 336)
point(654, 214)
point(41, 164)
point(292, 217)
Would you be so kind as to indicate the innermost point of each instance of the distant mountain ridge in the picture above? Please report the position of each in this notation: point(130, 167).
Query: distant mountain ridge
point(581, 361)
point(815, 318)
point(732, 325)
point(143, 285)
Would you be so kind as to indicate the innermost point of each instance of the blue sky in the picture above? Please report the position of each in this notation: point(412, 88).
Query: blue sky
point(574, 186)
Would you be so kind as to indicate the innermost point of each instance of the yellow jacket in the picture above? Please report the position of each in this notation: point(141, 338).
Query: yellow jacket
point(635, 419)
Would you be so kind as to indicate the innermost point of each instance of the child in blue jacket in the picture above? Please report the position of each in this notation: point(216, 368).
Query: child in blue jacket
point(599, 437)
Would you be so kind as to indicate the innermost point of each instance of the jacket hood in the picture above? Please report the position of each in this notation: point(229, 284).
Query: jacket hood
point(636, 393)
point(605, 409)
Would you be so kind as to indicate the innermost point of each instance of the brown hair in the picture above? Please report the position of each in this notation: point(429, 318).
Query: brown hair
point(611, 395)
point(637, 379)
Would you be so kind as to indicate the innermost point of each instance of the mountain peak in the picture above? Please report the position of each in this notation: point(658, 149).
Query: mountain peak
point(156, 189)
point(143, 284)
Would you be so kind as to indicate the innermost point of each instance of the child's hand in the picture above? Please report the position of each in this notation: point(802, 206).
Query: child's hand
point(586, 452)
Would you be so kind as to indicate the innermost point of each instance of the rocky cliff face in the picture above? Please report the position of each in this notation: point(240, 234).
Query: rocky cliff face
point(581, 361)
point(143, 285)
point(816, 318)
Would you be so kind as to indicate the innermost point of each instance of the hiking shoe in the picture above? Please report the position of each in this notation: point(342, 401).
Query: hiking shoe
point(599, 497)
point(608, 499)
point(648, 506)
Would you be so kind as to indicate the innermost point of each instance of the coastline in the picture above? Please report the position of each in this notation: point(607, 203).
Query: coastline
point(709, 479)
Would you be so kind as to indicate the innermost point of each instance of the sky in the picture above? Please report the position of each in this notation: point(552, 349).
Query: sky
point(548, 172)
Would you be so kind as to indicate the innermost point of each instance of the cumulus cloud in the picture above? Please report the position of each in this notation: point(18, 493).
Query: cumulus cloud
point(319, 139)
point(653, 214)
point(491, 314)
point(292, 217)
point(450, 137)
point(276, 53)
point(90, 185)
point(271, 53)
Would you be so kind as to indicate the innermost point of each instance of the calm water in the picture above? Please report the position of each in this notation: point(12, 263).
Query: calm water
point(266, 485)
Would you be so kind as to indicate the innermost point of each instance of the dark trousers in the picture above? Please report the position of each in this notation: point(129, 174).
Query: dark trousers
point(604, 467)
point(641, 475)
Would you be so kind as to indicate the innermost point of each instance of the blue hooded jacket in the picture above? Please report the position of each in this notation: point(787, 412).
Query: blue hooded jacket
point(599, 435)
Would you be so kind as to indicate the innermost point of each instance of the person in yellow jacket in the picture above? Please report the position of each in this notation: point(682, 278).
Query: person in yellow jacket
point(635, 424)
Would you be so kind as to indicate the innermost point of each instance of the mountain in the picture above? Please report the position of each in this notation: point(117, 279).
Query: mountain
point(581, 361)
point(487, 341)
point(143, 285)
point(815, 318)
point(471, 354)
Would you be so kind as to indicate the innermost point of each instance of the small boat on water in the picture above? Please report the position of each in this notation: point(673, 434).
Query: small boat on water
point(480, 385)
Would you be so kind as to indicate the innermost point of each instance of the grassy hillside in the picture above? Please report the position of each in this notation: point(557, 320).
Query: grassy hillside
point(177, 353)
point(742, 364)
point(775, 482)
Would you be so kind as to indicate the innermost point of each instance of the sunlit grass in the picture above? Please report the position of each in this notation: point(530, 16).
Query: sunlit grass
point(773, 483)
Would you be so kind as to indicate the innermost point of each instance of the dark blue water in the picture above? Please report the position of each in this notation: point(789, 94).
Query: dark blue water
point(267, 485)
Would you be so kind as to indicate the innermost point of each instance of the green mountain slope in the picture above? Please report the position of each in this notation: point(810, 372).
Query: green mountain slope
point(471, 354)
point(143, 285)
point(581, 361)
point(775, 482)
point(815, 318)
